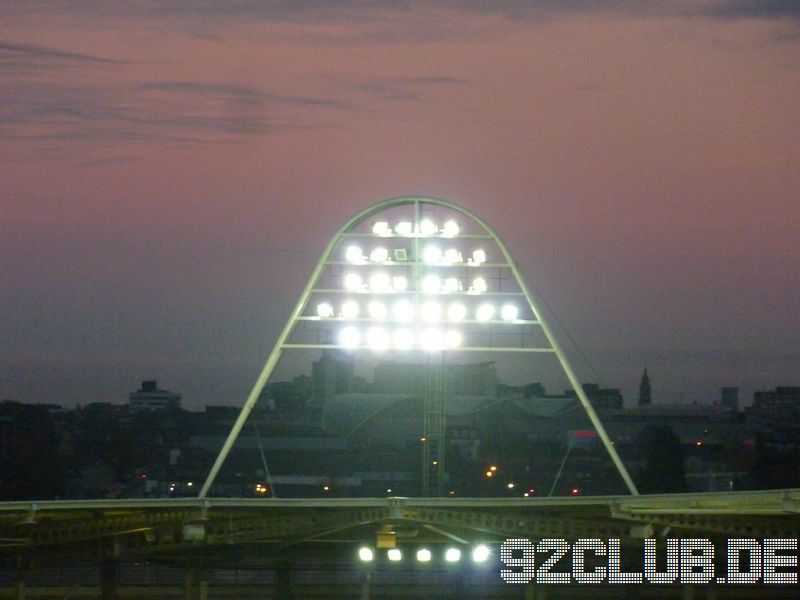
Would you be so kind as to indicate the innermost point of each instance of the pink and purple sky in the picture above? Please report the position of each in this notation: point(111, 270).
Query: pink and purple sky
point(172, 171)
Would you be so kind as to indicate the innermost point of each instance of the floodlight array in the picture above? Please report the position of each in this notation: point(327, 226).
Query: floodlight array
point(407, 297)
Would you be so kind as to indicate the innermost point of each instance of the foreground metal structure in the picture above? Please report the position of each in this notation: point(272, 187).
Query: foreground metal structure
point(454, 287)
point(204, 535)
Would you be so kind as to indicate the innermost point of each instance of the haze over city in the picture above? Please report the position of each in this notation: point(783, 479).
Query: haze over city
point(172, 172)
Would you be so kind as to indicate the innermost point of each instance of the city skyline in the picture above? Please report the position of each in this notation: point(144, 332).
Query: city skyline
point(171, 176)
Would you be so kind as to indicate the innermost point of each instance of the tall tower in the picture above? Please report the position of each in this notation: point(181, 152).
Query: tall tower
point(644, 390)
point(422, 280)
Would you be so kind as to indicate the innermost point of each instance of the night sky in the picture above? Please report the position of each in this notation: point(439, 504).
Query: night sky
point(171, 173)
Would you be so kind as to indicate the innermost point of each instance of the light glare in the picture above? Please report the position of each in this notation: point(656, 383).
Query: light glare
point(431, 284)
point(432, 255)
point(377, 310)
point(450, 229)
point(379, 255)
point(394, 554)
point(479, 285)
point(350, 309)
point(452, 256)
point(349, 337)
point(366, 554)
point(480, 553)
point(403, 339)
point(456, 311)
point(452, 555)
point(352, 282)
point(431, 311)
point(354, 255)
point(509, 312)
point(381, 228)
point(399, 283)
point(452, 284)
point(423, 555)
point(403, 310)
point(324, 310)
point(427, 227)
point(379, 282)
point(377, 338)
point(452, 339)
point(431, 340)
point(404, 228)
point(485, 312)
point(479, 257)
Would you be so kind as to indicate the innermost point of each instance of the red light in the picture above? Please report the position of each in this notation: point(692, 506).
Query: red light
point(531, 491)
point(575, 491)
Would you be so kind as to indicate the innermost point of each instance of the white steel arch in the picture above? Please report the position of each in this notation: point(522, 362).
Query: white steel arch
point(443, 279)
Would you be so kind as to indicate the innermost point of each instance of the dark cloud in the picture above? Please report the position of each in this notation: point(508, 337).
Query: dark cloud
point(17, 53)
point(755, 9)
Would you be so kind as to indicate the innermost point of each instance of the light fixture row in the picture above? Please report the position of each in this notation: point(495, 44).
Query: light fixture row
point(378, 338)
point(431, 255)
point(426, 227)
point(382, 283)
point(429, 311)
point(479, 554)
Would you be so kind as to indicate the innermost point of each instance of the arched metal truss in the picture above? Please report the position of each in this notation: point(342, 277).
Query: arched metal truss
point(418, 276)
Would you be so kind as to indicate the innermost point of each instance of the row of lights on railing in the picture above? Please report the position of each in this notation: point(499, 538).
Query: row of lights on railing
point(479, 554)
point(382, 283)
point(426, 227)
point(430, 311)
point(431, 255)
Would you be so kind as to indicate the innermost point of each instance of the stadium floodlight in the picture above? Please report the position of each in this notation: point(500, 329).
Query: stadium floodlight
point(399, 283)
point(366, 554)
point(403, 339)
point(431, 339)
point(381, 228)
point(353, 282)
point(431, 284)
point(428, 227)
point(509, 312)
point(354, 255)
point(480, 553)
point(432, 255)
point(324, 310)
point(452, 285)
point(350, 309)
point(379, 282)
point(478, 286)
point(349, 337)
point(394, 554)
point(478, 257)
point(452, 555)
point(379, 255)
point(452, 339)
point(415, 250)
point(377, 310)
point(405, 228)
point(431, 311)
point(485, 312)
point(423, 555)
point(377, 338)
point(452, 256)
point(450, 229)
point(456, 311)
point(403, 310)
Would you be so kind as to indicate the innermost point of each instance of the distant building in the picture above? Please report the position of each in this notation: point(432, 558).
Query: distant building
point(781, 403)
point(601, 398)
point(645, 396)
point(152, 399)
point(729, 398)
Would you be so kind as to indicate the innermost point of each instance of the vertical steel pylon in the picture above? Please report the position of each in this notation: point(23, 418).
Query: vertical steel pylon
point(416, 276)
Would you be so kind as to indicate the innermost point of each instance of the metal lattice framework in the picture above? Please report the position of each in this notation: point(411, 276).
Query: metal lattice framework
point(418, 277)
